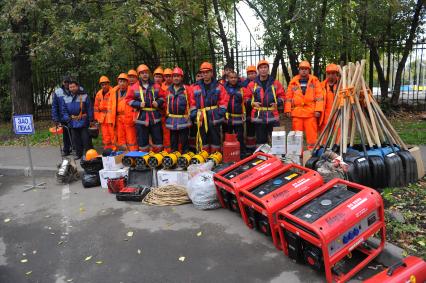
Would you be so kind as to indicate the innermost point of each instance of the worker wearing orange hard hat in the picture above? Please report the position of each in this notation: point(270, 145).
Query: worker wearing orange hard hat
point(208, 104)
point(177, 112)
point(101, 112)
point(158, 75)
point(250, 132)
point(133, 77)
point(193, 129)
point(329, 86)
point(168, 77)
point(122, 115)
point(305, 103)
point(147, 98)
point(265, 95)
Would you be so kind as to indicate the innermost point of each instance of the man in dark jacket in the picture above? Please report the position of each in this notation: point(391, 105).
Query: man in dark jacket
point(57, 96)
point(78, 113)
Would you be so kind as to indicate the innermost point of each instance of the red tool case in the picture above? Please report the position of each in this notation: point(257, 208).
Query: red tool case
point(230, 180)
point(411, 269)
point(262, 199)
point(328, 228)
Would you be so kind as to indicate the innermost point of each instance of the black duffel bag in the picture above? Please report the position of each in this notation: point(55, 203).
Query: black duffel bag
point(90, 180)
point(92, 166)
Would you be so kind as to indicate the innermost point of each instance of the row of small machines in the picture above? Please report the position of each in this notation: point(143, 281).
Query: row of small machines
point(326, 226)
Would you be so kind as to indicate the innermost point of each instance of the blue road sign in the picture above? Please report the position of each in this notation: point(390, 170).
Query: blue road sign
point(23, 124)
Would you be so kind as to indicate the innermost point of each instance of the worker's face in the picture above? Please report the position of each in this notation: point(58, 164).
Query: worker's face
point(304, 72)
point(144, 76)
point(177, 79)
point(232, 79)
point(168, 79)
point(331, 77)
point(199, 76)
point(251, 75)
point(73, 88)
point(158, 78)
point(263, 70)
point(123, 84)
point(227, 71)
point(66, 84)
point(207, 75)
point(132, 80)
point(105, 87)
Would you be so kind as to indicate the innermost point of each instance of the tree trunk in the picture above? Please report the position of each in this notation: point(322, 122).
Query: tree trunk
point(407, 48)
point(317, 47)
point(276, 63)
point(285, 70)
point(209, 36)
point(344, 55)
point(20, 80)
point(374, 54)
point(222, 34)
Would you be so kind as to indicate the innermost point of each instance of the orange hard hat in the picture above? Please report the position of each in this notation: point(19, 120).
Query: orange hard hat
point(91, 154)
point(142, 68)
point(206, 66)
point(304, 64)
point(177, 71)
point(262, 62)
point(123, 76)
point(251, 69)
point(132, 73)
point(56, 130)
point(103, 79)
point(158, 71)
point(332, 68)
point(168, 71)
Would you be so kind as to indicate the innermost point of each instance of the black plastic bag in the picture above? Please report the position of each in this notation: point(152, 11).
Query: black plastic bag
point(92, 166)
point(90, 180)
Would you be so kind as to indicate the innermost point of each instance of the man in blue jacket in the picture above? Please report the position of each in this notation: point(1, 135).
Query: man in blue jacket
point(78, 113)
point(58, 95)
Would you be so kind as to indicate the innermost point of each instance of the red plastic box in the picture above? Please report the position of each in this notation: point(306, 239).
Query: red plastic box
point(262, 199)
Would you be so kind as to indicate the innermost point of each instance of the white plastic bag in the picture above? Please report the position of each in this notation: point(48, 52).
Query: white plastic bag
point(202, 191)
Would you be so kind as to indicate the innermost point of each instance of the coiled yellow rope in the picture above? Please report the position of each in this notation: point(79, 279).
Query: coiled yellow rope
point(167, 195)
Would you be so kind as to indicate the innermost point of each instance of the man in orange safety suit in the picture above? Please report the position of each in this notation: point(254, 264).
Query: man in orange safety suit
point(329, 86)
point(304, 103)
point(124, 115)
point(133, 77)
point(160, 78)
point(101, 112)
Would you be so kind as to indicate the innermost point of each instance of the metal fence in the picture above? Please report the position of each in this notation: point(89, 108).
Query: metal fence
point(413, 88)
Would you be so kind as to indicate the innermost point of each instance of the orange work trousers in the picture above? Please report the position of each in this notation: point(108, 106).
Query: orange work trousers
point(310, 128)
point(166, 135)
point(107, 135)
point(126, 136)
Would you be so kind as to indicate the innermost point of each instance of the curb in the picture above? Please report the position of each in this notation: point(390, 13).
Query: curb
point(25, 171)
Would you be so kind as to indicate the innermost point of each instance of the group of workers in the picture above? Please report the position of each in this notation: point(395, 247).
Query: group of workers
point(165, 114)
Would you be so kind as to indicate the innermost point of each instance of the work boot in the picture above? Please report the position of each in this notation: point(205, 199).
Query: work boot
point(77, 157)
point(65, 153)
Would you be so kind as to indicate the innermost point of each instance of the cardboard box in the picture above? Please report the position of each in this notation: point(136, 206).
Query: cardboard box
point(279, 141)
point(295, 143)
point(293, 158)
point(113, 162)
point(172, 177)
point(415, 151)
point(105, 174)
point(307, 154)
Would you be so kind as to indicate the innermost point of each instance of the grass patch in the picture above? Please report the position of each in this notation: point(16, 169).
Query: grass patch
point(42, 137)
point(411, 127)
point(411, 203)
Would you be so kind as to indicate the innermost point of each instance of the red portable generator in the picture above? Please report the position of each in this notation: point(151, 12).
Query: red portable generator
point(262, 199)
point(228, 181)
point(411, 269)
point(328, 228)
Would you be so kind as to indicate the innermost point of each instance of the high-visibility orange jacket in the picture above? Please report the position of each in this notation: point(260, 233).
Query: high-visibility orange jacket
point(329, 95)
point(101, 106)
point(119, 107)
point(304, 106)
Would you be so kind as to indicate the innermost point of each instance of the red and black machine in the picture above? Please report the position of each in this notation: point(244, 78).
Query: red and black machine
point(328, 228)
point(411, 269)
point(230, 180)
point(263, 198)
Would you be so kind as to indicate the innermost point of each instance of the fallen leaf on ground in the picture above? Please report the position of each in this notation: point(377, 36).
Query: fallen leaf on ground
point(24, 260)
point(28, 272)
point(88, 258)
point(60, 243)
point(70, 280)
point(182, 258)
point(7, 220)
point(139, 251)
point(34, 252)
point(82, 209)
point(99, 262)
point(199, 234)
point(130, 234)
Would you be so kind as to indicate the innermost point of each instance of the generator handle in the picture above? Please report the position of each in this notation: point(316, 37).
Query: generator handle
point(395, 266)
